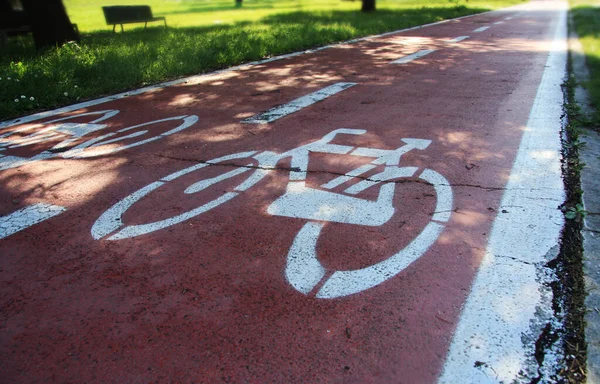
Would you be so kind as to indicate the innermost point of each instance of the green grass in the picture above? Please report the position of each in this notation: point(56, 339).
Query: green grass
point(586, 17)
point(203, 35)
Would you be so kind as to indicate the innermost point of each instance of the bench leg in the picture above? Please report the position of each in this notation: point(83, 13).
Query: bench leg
point(145, 24)
point(122, 30)
point(114, 28)
point(165, 20)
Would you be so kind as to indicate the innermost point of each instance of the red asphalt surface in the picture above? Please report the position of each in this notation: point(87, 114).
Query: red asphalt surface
point(207, 300)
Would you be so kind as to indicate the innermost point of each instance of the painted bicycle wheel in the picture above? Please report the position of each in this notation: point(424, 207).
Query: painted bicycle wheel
point(304, 271)
point(111, 222)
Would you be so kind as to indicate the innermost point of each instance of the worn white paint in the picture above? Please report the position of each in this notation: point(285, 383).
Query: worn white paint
point(26, 217)
point(303, 202)
point(414, 56)
point(303, 269)
point(457, 39)
point(49, 131)
point(481, 29)
point(101, 145)
point(499, 22)
point(142, 229)
point(344, 283)
point(70, 133)
point(443, 190)
point(203, 184)
point(510, 302)
point(508, 18)
point(297, 104)
point(111, 220)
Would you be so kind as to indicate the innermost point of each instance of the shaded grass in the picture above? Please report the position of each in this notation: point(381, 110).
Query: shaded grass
point(106, 63)
point(586, 18)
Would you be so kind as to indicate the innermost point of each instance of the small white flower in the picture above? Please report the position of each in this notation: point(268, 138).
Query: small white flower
point(75, 86)
point(0, 78)
point(17, 80)
point(8, 78)
point(16, 100)
point(23, 97)
point(66, 93)
point(32, 98)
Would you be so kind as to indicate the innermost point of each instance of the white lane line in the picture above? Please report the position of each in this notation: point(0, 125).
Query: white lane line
point(481, 29)
point(26, 217)
point(508, 18)
point(411, 57)
point(510, 301)
point(296, 105)
point(499, 22)
point(457, 39)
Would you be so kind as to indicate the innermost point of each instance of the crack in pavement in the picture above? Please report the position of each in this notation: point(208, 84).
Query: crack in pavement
point(401, 181)
point(295, 169)
point(518, 260)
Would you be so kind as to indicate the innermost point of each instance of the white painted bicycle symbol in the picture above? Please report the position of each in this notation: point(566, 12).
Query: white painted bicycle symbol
point(303, 269)
point(71, 134)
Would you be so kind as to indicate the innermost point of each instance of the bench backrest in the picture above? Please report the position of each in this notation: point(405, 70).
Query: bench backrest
point(118, 14)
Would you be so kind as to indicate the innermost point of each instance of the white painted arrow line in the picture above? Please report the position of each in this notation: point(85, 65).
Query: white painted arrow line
point(26, 217)
point(296, 105)
point(481, 29)
point(414, 56)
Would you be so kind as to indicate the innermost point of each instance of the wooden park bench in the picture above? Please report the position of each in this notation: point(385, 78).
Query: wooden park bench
point(127, 14)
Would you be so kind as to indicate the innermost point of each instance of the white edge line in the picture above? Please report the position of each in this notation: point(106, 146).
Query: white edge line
point(481, 29)
point(206, 76)
point(510, 302)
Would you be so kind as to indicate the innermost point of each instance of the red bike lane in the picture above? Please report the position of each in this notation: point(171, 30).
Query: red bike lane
point(238, 292)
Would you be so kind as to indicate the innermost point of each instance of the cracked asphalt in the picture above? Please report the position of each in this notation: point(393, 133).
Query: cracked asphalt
point(397, 230)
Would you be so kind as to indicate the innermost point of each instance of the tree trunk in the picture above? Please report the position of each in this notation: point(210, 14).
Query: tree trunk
point(50, 23)
point(238, 3)
point(368, 5)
